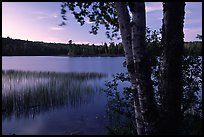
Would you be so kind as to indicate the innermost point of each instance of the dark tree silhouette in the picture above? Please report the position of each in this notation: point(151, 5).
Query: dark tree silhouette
point(171, 67)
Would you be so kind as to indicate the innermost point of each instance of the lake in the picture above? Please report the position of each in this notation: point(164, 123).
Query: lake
point(43, 103)
point(52, 95)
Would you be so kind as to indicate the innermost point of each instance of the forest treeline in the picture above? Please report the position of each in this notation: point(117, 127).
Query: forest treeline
point(22, 47)
point(13, 47)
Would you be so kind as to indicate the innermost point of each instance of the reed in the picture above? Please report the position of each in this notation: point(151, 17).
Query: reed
point(26, 93)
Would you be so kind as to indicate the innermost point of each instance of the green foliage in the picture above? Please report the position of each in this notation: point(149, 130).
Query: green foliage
point(193, 48)
point(192, 85)
point(192, 125)
point(99, 13)
point(122, 129)
point(120, 106)
point(199, 36)
point(21, 47)
point(153, 40)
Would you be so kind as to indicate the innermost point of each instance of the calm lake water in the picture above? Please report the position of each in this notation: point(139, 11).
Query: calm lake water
point(53, 95)
point(61, 111)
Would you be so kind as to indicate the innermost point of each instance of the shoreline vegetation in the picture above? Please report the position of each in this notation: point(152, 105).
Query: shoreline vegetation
point(28, 93)
point(17, 47)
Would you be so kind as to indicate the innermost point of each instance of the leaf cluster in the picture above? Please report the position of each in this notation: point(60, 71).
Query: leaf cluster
point(98, 13)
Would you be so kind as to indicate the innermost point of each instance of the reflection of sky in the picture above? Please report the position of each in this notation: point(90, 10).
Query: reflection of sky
point(13, 126)
point(88, 119)
point(109, 65)
point(38, 21)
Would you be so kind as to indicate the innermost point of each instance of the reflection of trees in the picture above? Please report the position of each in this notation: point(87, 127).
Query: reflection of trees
point(29, 93)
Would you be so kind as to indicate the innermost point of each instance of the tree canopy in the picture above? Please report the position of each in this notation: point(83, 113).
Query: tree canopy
point(103, 13)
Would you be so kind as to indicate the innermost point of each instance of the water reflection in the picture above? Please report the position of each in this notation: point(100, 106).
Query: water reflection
point(26, 94)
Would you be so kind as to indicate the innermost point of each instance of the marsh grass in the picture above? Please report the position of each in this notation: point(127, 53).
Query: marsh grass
point(26, 93)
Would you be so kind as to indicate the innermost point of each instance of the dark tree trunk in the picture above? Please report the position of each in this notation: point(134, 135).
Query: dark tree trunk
point(170, 87)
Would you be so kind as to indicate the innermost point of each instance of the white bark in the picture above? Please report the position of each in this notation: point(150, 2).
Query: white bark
point(142, 67)
point(125, 29)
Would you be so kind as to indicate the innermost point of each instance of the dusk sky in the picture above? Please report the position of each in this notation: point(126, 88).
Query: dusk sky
point(39, 21)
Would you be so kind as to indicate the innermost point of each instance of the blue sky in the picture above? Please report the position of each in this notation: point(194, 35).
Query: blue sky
point(38, 21)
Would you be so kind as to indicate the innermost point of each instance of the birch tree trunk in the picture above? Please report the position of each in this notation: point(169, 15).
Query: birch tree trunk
point(138, 66)
point(142, 68)
point(125, 29)
point(171, 85)
point(137, 60)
